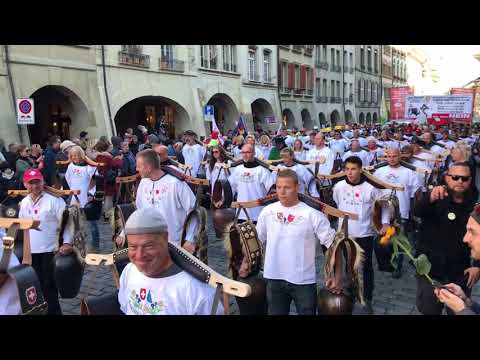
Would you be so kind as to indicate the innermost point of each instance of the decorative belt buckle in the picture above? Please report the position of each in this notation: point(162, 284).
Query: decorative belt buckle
point(8, 242)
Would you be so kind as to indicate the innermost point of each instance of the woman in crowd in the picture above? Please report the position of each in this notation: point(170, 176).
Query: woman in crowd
point(265, 146)
point(238, 142)
point(214, 168)
point(299, 151)
point(24, 162)
point(79, 177)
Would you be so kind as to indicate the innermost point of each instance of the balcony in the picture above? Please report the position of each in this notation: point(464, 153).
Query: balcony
point(297, 48)
point(298, 91)
point(324, 65)
point(308, 50)
point(338, 100)
point(350, 99)
point(253, 77)
point(323, 99)
point(309, 92)
point(286, 91)
point(133, 59)
point(332, 99)
point(230, 67)
point(169, 64)
point(285, 46)
point(351, 70)
point(338, 69)
point(369, 69)
point(333, 67)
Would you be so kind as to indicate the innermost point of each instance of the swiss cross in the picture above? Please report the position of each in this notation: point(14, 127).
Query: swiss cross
point(143, 294)
point(31, 293)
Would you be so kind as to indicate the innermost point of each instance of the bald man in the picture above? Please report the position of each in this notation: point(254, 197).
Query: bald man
point(250, 181)
point(322, 154)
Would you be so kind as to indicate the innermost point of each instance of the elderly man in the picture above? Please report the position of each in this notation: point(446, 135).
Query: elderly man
point(192, 152)
point(356, 150)
point(453, 296)
point(152, 284)
point(322, 154)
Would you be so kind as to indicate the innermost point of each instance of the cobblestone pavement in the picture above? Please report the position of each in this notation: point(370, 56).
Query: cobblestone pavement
point(391, 296)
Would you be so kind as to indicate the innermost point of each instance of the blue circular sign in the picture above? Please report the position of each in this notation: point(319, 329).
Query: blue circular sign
point(24, 106)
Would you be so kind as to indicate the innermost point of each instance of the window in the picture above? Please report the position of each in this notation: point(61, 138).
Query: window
point(252, 64)
point(351, 92)
point(324, 87)
point(345, 59)
point(375, 61)
point(345, 89)
point(208, 56)
point(308, 78)
point(229, 58)
point(267, 61)
point(372, 91)
point(338, 58)
point(297, 77)
point(362, 57)
point(167, 53)
point(324, 49)
point(359, 90)
point(284, 75)
point(132, 49)
point(332, 88)
point(317, 54)
point(366, 89)
point(332, 57)
point(369, 59)
point(338, 89)
point(351, 60)
point(317, 88)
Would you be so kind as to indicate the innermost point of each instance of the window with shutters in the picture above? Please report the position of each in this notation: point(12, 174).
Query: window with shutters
point(226, 52)
point(291, 76)
point(267, 77)
point(168, 61)
point(252, 64)
point(284, 75)
point(297, 77)
point(204, 56)
point(233, 58)
point(208, 56)
point(362, 57)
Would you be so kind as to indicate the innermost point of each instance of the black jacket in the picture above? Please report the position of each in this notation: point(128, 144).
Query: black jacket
point(440, 238)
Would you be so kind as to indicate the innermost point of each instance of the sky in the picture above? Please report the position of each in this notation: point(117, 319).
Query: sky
point(455, 64)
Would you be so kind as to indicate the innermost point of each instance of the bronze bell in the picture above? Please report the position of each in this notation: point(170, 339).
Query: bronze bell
point(334, 304)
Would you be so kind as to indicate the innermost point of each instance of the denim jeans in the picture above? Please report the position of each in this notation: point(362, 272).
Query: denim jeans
point(280, 294)
point(366, 243)
point(94, 234)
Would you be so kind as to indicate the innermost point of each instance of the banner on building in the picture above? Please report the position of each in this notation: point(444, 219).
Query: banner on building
point(397, 101)
point(439, 110)
point(465, 92)
point(25, 113)
point(271, 119)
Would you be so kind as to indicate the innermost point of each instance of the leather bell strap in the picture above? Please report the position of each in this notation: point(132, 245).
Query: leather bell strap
point(8, 245)
point(216, 299)
point(29, 289)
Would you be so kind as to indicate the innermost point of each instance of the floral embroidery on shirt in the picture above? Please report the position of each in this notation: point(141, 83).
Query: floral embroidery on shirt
point(143, 304)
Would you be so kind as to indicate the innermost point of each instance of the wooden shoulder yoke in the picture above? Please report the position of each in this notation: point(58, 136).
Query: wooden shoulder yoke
point(24, 224)
point(48, 189)
point(127, 179)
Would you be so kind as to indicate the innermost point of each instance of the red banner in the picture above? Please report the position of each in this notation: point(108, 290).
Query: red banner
point(464, 91)
point(397, 101)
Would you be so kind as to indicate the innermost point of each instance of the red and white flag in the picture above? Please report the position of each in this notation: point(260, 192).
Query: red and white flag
point(215, 128)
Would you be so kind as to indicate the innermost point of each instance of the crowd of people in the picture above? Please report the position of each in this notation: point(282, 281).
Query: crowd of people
point(435, 168)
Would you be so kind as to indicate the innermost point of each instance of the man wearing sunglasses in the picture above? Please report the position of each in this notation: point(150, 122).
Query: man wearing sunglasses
point(444, 212)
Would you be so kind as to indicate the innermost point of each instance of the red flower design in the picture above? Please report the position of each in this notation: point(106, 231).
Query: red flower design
point(290, 218)
point(357, 195)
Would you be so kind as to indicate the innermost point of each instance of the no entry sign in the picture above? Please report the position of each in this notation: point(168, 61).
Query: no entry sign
point(25, 114)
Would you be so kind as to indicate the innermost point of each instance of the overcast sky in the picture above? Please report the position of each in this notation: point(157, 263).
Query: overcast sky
point(455, 64)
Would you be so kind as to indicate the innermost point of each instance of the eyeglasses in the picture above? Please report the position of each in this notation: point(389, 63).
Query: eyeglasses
point(246, 152)
point(216, 152)
point(458, 177)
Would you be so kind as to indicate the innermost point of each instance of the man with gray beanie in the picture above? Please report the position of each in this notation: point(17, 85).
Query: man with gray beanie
point(152, 284)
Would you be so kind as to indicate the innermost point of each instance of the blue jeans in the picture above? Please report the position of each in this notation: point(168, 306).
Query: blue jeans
point(280, 294)
point(94, 233)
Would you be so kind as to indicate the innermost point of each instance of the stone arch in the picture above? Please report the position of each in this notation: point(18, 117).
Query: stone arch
point(375, 117)
point(361, 118)
point(348, 117)
point(334, 118)
point(322, 119)
point(225, 111)
point(369, 118)
point(290, 118)
point(307, 122)
point(262, 111)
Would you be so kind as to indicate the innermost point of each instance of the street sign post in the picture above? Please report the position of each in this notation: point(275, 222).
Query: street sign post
point(208, 112)
point(25, 113)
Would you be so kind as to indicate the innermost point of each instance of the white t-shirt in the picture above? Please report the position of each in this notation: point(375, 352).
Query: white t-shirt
point(386, 144)
point(304, 178)
point(193, 155)
point(358, 199)
point(174, 199)
point(236, 152)
point(301, 155)
point(48, 209)
point(78, 178)
point(338, 146)
point(448, 143)
point(217, 173)
point(396, 144)
point(9, 300)
point(424, 164)
point(289, 140)
point(179, 294)
point(379, 152)
point(251, 184)
point(403, 177)
point(362, 154)
point(290, 235)
point(265, 150)
point(327, 166)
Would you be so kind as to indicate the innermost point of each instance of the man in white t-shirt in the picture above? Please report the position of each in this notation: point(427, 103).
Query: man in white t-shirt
point(250, 181)
point(445, 140)
point(172, 197)
point(396, 174)
point(357, 151)
point(250, 139)
point(323, 154)
point(290, 231)
point(356, 195)
point(192, 152)
point(48, 209)
point(338, 145)
point(152, 284)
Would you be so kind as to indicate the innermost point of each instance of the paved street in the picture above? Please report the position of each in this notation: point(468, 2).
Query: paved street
point(391, 296)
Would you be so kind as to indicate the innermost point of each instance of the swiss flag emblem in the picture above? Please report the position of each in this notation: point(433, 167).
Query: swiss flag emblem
point(290, 218)
point(157, 191)
point(31, 294)
point(357, 194)
point(35, 211)
point(143, 294)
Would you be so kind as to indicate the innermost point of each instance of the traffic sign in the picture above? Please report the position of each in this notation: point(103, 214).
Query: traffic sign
point(208, 110)
point(25, 113)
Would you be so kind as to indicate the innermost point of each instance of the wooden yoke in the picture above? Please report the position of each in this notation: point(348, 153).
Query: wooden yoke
point(127, 179)
point(48, 189)
point(87, 160)
point(24, 224)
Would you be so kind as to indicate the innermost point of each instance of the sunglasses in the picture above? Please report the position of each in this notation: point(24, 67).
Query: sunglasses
point(458, 177)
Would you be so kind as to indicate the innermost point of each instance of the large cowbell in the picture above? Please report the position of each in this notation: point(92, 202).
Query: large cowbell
point(68, 273)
